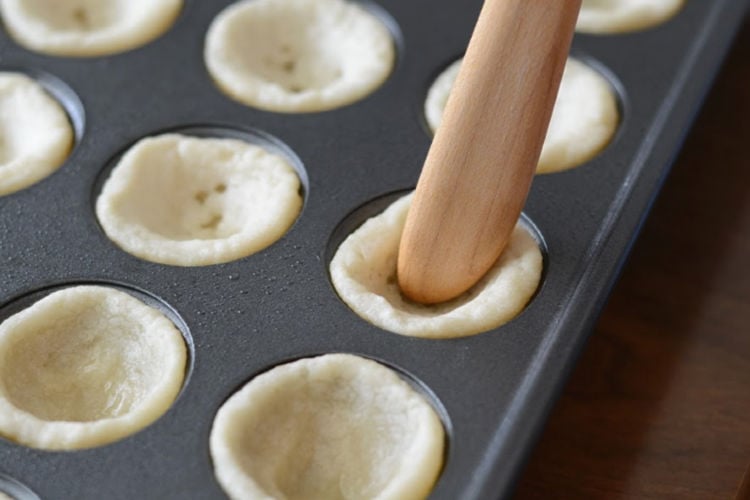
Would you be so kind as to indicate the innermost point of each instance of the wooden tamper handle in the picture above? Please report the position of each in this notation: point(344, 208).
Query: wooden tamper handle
point(479, 168)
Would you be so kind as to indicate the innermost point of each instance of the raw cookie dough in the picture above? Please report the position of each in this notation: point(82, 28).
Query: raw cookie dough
point(583, 121)
point(87, 27)
point(35, 134)
point(298, 55)
point(191, 201)
point(332, 427)
point(620, 16)
point(363, 271)
point(86, 366)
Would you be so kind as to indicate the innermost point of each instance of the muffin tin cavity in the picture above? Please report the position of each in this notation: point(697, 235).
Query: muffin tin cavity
point(328, 427)
point(86, 365)
point(363, 272)
point(10, 489)
point(87, 27)
point(185, 200)
point(63, 94)
point(621, 16)
point(584, 120)
point(298, 55)
point(36, 136)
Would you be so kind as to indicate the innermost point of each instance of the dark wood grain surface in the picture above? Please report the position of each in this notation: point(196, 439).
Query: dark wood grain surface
point(659, 403)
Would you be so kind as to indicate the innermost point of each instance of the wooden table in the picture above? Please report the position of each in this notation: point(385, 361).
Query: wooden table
point(659, 403)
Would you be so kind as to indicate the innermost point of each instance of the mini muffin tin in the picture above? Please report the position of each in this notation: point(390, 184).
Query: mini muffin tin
point(493, 390)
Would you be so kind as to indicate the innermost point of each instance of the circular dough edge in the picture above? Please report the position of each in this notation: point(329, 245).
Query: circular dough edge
point(268, 96)
point(371, 251)
point(34, 35)
point(626, 19)
point(23, 172)
point(151, 246)
point(423, 472)
point(29, 430)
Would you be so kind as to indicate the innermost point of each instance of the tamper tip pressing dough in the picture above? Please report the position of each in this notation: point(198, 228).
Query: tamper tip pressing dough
point(87, 27)
point(35, 134)
point(298, 55)
point(86, 366)
point(192, 201)
point(363, 271)
point(332, 427)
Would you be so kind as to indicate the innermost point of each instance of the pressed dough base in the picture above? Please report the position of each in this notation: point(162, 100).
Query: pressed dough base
point(86, 366)
point(35, 134)
point(584, 119)
point(332, 427)
point(190, 201)
point(298, 55)
point(363, 271)
point(621, 16)
point(87, 27)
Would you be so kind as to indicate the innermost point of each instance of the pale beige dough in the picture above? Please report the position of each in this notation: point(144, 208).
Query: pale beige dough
point(4, 496)
point(298, 55)
point(35, 134)
point(363, 271)
point(332, 427)
point(86, 366)
point(620, 16)
point(87, 27)
point(191, 201)
point(584, 119)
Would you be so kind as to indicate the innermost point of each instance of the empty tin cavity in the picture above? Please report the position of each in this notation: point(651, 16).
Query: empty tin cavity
point(10, 489)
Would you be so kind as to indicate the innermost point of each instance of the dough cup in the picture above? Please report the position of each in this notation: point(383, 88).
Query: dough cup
point(35, 133)
point(194, 201)
point(584, 120)
point(297, 56)
point(86, 366)
point(85, 28)
point(363, 272)
point(334, 426)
